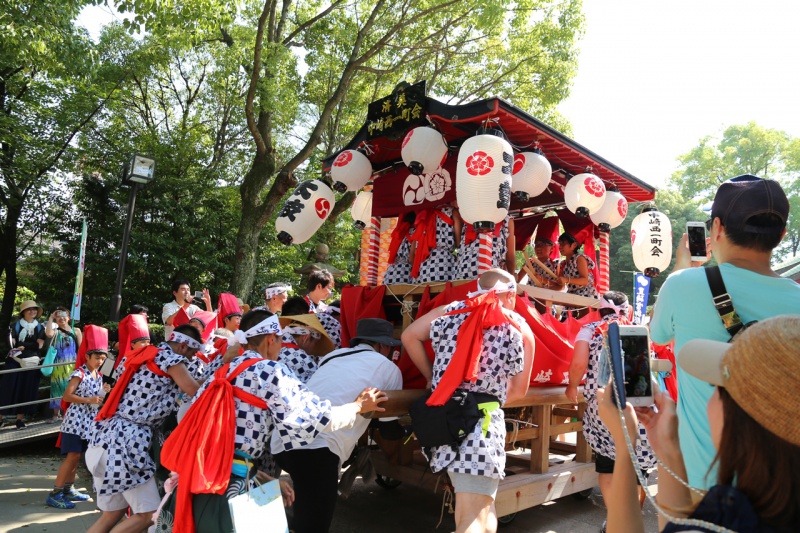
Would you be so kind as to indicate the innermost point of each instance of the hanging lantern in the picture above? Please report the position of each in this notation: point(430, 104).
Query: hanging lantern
point(531, 175)
point(651, 242)
point(304, 212)
point(483, 179)
point(362, 209)
point(612, 212)
point(350, 171)
point(424, 150)
point(584, 194)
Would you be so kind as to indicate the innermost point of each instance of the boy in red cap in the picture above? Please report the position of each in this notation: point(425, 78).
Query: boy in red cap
point(83, 396)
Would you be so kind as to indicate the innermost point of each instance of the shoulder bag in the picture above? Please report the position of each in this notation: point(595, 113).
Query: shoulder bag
point(723, 303)
point(50, 356)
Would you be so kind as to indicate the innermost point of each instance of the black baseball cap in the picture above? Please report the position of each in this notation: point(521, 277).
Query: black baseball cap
point(746, 196)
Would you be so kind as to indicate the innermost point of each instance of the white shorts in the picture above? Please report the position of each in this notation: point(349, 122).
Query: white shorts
point(142, 498)
point(474, 484)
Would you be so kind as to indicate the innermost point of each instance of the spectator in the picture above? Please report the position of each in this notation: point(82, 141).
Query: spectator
point(757, 448)
point(586, 360)
point(400, 251)
point(503, 356)
point(436, 233)
point(748, 221)
point(27, 339)
point(576, 271)
point(320, 288)
point(342, 375)
point(275, 296)
point(66, 340)
point(84, 394)
point(182, 293)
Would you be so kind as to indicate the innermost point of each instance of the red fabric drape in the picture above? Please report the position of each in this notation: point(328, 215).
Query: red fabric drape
point(358, 303)
point(399, 233)
point(201, 448)
point(142, 356)
point(671, 381)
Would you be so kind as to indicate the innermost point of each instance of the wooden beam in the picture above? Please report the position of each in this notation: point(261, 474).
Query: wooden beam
point(540, 448)
point(561, 298)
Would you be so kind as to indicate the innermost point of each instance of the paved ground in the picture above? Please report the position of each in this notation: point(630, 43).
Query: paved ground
point(27, 472)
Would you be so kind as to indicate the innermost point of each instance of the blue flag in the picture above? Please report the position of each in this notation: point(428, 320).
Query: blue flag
point(641, 292)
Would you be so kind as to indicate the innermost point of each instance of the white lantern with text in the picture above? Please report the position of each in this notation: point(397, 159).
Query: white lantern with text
point(350, 171)
point(483, 179)
point(304, 212)
point(613, 211)
point(424, 150)
point(362, 209)
point(651, 242)
point(531, 175)
point(584, 194)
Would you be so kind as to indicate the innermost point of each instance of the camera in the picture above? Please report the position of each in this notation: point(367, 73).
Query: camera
point(198, 295)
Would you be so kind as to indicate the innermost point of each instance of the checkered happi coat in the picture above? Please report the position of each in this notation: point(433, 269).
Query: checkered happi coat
point(126, 436)
point(440, 261)
point(296, 359)
point(502, 356)
point(467, 266)
point(79, 418)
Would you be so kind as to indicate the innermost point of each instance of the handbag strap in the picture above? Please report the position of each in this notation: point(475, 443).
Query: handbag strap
point(722, 301)
point(329, 359)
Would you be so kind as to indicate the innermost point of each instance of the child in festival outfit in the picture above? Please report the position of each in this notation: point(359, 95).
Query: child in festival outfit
point(145, 394)
point(84, 395)
point(263, 397)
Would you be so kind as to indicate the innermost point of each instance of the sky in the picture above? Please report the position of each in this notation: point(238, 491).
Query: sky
point(655, 77)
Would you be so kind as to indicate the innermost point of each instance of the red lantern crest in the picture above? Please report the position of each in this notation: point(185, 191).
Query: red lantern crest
point(479, 164)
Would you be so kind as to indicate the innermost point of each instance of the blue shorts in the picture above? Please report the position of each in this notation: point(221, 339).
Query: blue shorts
point(72, 444)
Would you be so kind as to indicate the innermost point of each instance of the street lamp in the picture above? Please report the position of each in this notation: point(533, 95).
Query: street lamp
point(140, 170)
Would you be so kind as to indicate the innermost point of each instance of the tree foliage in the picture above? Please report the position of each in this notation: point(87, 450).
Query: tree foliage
point(745, 149)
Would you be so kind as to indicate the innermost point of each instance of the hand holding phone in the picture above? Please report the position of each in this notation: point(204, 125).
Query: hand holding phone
point(198, 295)
point(696, 236)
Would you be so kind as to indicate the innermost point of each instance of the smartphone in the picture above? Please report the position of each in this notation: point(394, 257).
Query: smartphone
point(198, 295)
point(614, 348)
point(696, 234)
point(635, 345)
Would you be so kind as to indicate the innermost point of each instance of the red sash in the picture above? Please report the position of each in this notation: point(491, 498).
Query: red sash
point(201, 448)
point(290, 345)
point(425, 236)
point(484, 311)
point(143, 356)
point(400, 232)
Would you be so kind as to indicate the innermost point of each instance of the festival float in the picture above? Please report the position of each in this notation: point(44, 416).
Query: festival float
point(415, 153)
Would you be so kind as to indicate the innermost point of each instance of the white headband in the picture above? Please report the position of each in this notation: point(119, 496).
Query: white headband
point(618, 309)
point(265, 327)
point(294, 329)
point(274, 291)
point(500, 287)
point(178, 337)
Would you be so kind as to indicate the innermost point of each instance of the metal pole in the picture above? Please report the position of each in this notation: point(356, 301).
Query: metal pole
point(116, 300)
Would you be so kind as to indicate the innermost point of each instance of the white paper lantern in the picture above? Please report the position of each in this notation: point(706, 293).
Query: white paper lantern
point(613, 211)
point(531, 175)
point(483, 179)
point(350, 171)
point(651, 242)
point(304, 211)
point(362, 209)
point(584, 194)
point(424, 150)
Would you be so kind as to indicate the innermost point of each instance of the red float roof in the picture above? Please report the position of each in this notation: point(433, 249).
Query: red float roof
point(458, 123)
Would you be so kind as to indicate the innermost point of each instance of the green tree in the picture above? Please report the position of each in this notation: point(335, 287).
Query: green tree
point(300, 110)
point(744, 149)
point(51, 86)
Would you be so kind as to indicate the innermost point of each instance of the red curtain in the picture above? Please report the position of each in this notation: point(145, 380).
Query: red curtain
point(357, 303)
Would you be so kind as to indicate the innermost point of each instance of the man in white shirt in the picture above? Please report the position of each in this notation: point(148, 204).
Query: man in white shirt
point(342, 374)
point(182, 293)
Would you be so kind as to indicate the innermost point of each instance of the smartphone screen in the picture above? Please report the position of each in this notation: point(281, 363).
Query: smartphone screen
point(198, 295)
point(617, 374)
point(697, 240)
point(636, 360)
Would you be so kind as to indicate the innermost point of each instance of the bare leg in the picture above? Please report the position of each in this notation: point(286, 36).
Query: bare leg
point(475, 513)
point(68, 469)
point(137, 523)
point(106, 521)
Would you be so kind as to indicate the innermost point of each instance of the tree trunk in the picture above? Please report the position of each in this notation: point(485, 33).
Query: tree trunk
point(8, 253)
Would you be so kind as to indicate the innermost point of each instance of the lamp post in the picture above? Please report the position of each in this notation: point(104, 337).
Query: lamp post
point(140, 170)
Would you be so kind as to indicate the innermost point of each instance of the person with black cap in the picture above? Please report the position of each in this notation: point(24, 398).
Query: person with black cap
point(315, 467)
point(576, 271)
point(748, 221)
